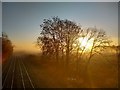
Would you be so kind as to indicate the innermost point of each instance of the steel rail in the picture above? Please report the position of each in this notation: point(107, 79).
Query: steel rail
point(21, 76)
point(27, 74)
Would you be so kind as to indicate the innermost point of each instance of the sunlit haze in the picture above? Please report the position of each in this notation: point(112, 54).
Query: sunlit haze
point(85, 43)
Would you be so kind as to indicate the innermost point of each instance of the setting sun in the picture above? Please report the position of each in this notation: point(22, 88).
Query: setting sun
point(85, 43)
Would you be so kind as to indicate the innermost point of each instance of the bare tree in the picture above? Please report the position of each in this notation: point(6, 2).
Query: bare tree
point(48, 37)
point(99, 39)
point(71, 34)
point(100, 42)
point(62, 33)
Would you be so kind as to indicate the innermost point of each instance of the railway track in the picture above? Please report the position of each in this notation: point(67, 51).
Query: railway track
point(16, 75)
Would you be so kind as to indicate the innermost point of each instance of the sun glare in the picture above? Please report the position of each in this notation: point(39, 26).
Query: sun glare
point(85, 43)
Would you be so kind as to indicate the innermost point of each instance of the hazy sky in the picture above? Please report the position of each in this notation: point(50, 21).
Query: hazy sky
point(21, 21)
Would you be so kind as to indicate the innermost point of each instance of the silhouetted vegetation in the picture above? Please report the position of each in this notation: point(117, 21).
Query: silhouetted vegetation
point(59, 40)
point(73, 47)
point(7, 47)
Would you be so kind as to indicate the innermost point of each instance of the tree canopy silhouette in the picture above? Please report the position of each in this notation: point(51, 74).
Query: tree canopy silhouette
point(60, 39)
point(58, 36)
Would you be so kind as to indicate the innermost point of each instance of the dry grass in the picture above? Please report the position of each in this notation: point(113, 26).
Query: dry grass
point(102, 73)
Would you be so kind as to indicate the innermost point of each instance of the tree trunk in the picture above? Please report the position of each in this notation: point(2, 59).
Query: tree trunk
point(67, 55)
point(57, 55)
point(62, 55)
